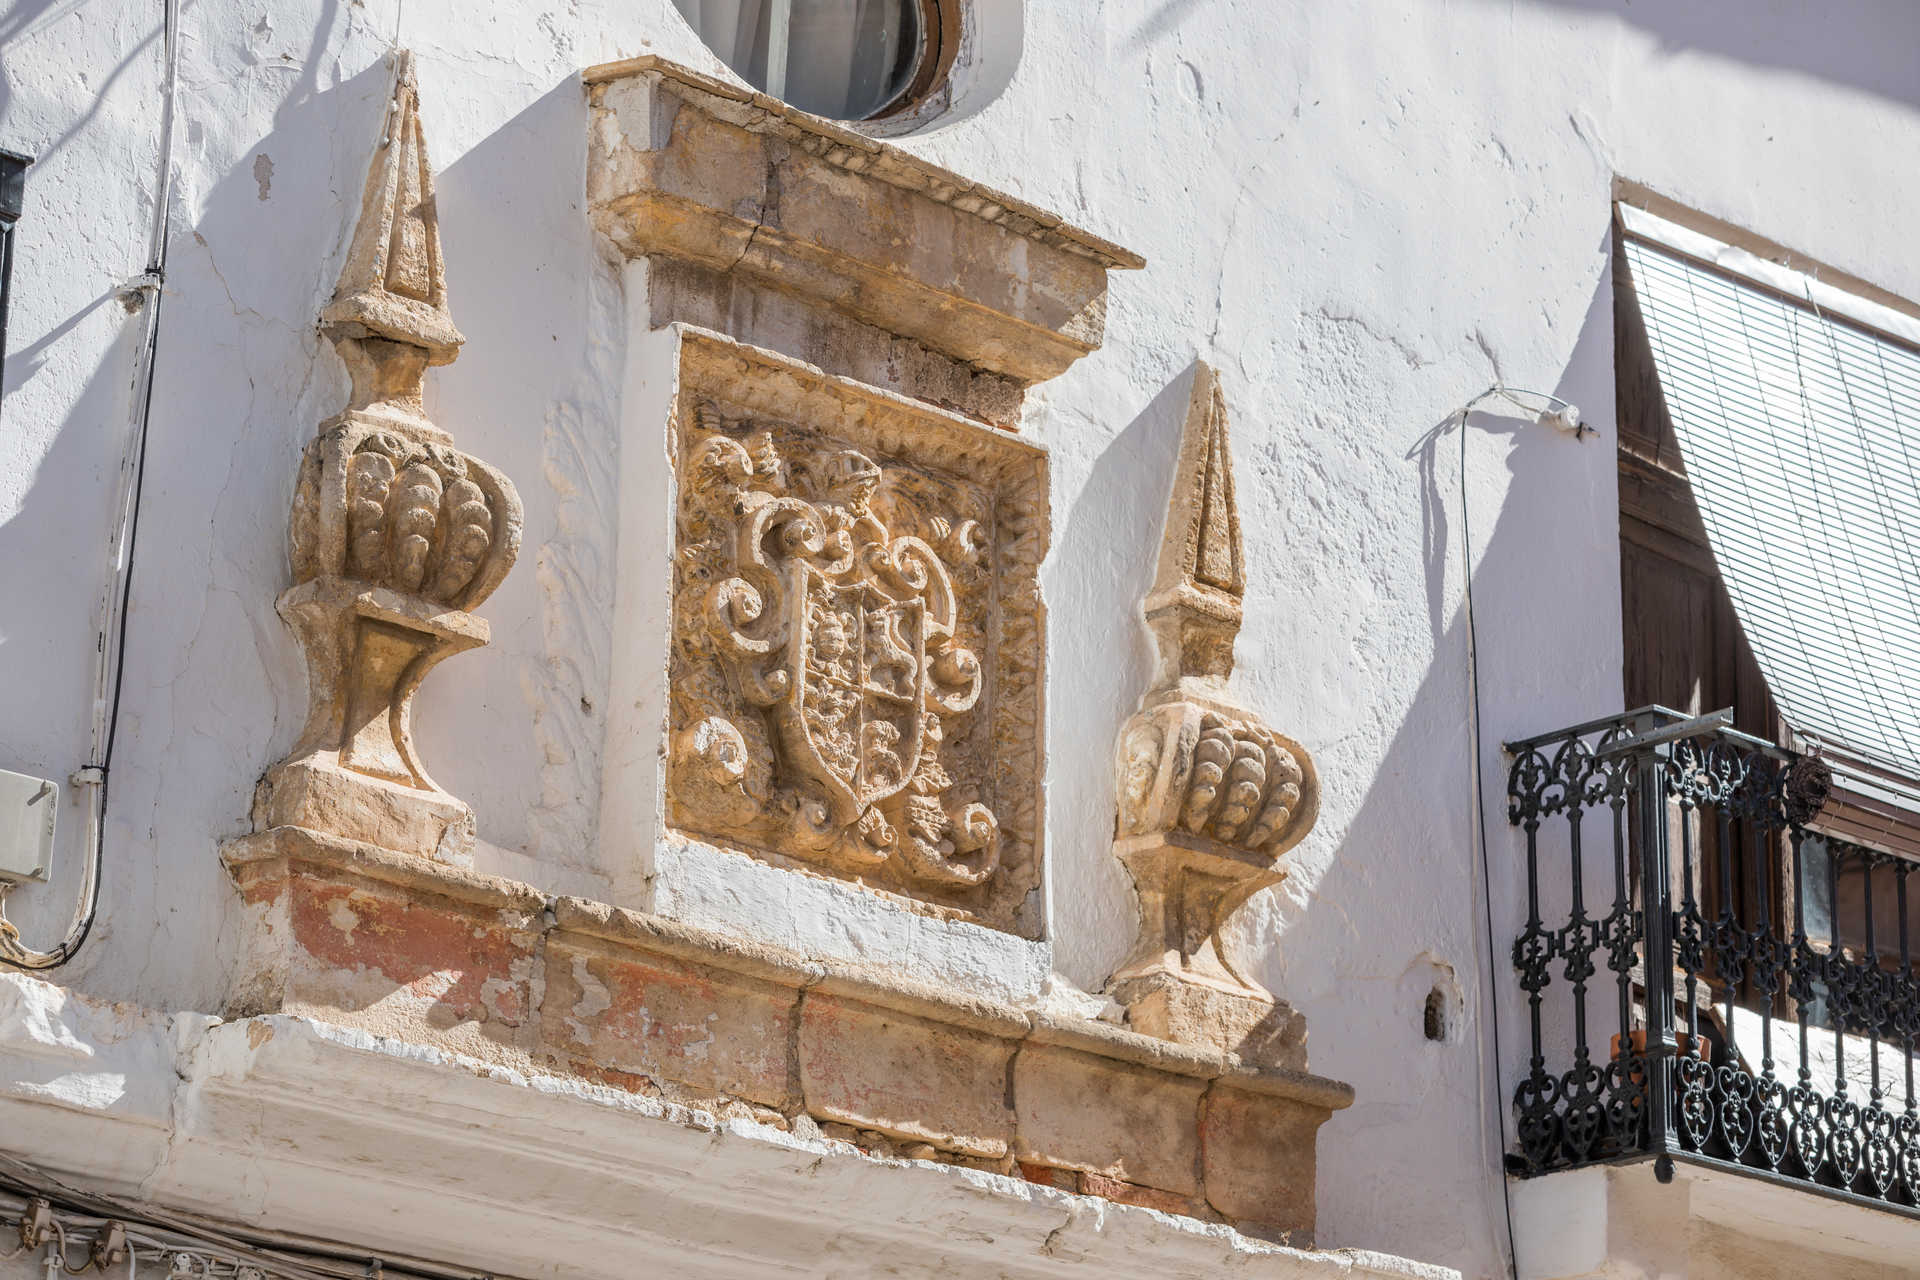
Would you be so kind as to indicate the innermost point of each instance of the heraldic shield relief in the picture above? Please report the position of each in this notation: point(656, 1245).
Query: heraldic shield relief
point(828, 693)
point(860, 665)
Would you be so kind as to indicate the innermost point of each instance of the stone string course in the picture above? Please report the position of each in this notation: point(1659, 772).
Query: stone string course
point(430, 953)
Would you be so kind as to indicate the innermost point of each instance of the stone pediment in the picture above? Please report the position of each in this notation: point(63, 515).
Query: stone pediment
point(685, 167)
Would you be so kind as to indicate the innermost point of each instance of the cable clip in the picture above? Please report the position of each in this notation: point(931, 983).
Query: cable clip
point(36, 1222)
point(110, 1247)
point(92, 775)
point(143, 283)
point(1558, 413)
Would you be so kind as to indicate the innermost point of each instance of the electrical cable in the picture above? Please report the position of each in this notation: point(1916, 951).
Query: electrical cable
point(111, 641)
point(1565, 416)
point(273, 1253)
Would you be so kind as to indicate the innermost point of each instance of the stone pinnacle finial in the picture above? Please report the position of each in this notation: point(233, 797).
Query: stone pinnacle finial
point(396, 535)
point(1210, 799)
point(389, 313)
point(1194, 607)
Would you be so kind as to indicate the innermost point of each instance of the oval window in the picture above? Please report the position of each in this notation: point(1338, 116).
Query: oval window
point(844, 59)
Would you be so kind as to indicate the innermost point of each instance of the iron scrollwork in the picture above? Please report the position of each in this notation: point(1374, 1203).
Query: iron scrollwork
point(1752, 1045)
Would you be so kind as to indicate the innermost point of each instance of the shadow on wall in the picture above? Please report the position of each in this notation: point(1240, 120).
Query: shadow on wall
point(213, 684)
point(58, 536)
point(536, 393)
point(23, 19)
point(1386, 953)
point(1845, 42)
point(1109, 548)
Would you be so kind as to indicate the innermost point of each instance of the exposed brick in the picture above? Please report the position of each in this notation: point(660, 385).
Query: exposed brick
point(1092, 1184)
point(1047, 1176)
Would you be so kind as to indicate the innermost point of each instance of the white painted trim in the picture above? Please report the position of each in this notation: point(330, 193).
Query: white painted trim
point(1751, 266)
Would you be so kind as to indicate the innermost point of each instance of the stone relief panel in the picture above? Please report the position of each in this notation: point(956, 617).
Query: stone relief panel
point(856, 673)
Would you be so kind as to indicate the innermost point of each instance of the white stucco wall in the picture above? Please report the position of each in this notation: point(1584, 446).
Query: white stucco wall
point(1361, 212)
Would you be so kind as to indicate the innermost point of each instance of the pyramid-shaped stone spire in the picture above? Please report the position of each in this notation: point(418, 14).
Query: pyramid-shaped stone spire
point(396, 534)
point(389, 312)
point(1194, 607)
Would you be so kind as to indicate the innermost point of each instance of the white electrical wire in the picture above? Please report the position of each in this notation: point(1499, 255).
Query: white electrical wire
point(1564, 415)
point(110, 643)
point(1558, 413)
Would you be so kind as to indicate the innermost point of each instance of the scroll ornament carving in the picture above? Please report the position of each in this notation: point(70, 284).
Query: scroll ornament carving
point(1209, 798)
point(827, 665)
point(395, 534)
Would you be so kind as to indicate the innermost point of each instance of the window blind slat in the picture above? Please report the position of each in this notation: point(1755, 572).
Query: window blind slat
point(1801, 438)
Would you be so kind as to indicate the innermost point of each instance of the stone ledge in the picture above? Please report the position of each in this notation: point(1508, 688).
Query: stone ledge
point(688, 168)
point(270, 1121)
point(435, 955)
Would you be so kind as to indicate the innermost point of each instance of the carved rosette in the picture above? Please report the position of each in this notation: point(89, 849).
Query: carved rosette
point(395, 534)
point(1209, 798)
point(837, 593)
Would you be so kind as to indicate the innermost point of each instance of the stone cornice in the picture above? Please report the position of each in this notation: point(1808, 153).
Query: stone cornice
point(686, 168)
point(262, 863)
point(858, 153)
point(389, 1147)
point(439, 957)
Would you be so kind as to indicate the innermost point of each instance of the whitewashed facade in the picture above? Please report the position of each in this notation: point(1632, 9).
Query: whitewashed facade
point(1360, 214)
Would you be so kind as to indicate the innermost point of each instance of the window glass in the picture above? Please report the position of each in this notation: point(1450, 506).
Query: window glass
point(844, 59)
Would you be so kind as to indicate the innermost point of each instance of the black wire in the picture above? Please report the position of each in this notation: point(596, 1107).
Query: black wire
point(154, 284)
point(1486, 865)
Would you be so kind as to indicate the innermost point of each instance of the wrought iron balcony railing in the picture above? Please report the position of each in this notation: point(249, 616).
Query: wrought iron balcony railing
point(1708, 978)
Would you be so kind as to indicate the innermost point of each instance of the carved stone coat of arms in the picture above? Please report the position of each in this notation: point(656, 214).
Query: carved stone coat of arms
point(857, 643)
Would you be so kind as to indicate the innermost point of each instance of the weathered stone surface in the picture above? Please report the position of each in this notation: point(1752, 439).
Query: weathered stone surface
point(685, 167)
point(1209, 798)
point(338, 931)
point(1257, 1157)
point(431, 954)
point(857, 655)
point(1113, 1119)
point(395, 535)
point(754, 312)
point(1250, 1024)
point(669, 1020)
point(908, 1077)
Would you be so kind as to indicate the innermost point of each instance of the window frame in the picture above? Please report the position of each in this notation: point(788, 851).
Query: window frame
point(13, 191)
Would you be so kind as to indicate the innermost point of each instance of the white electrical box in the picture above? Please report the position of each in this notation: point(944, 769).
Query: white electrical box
point(27, 806)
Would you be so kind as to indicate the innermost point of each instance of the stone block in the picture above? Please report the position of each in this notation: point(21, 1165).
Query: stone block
point(670, 1020)
point(907, 1076)
point(1257, 1158)
point(357, 935)
point(1109, 1118)
point(1246, 1022)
